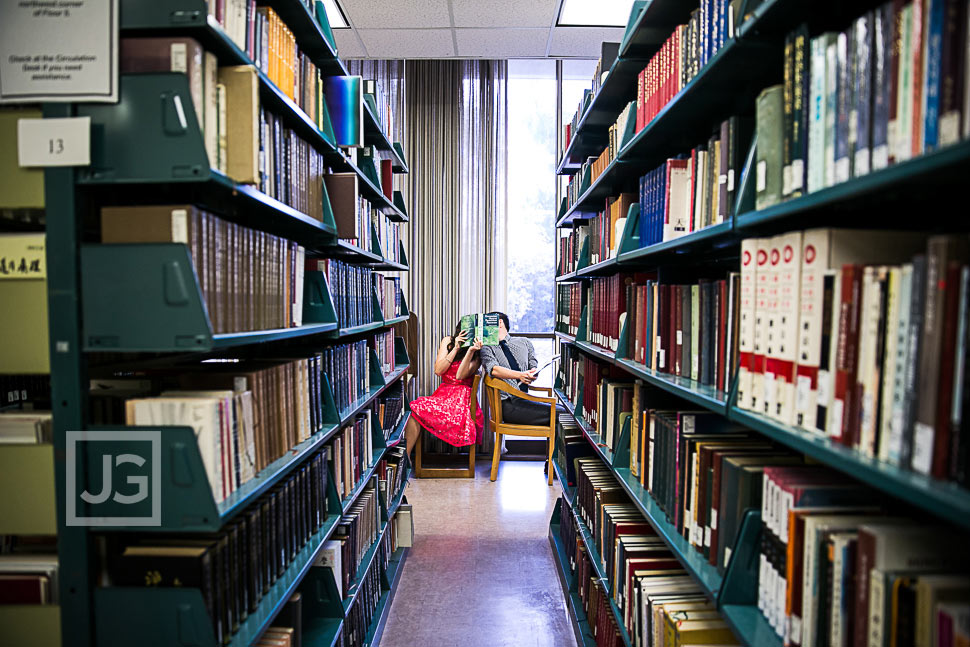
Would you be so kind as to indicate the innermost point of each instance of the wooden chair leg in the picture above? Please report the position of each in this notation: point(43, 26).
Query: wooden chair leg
point(549, 459)
point(418, 447)
point(471, 461)
point(496, 454)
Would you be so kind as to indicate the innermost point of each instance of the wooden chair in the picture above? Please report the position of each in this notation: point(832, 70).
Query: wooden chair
point(493, 389)
point(448, 472)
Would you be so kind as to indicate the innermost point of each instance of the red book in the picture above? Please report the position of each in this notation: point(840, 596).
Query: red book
point(387, 179)
point(24, 589)
point(845, 359)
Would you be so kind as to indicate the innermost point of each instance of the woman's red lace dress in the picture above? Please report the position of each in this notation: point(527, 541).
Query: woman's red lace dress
point(446, 413)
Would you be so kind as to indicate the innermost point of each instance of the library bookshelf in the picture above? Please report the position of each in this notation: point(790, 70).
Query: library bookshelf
point(105, 311)
point(750, 58)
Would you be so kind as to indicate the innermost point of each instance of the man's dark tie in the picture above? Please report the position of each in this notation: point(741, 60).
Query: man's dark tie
point(513, 364)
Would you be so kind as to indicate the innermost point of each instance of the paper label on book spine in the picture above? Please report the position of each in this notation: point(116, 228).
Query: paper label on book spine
point(178, 58)
point(786, 179)
point(853, 126)
point(688, 423)
point(797, 175)
point(842, 169)
point(922, 447)
point(880, 157)
point(727, 556)
point(835, 419)
point(762, 176)
point(707, 536)
point(730, 180)
point(680, 337)
point(861, 162)
point(949, 127)
point(180, 226)
point(795, 630)
point(713, 519)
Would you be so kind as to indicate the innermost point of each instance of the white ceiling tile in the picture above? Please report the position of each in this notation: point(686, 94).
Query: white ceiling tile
point(501, 43)
point(582, 41)
point(504, 13)
point(348, 46)
point(408, 43)
point(369, 14)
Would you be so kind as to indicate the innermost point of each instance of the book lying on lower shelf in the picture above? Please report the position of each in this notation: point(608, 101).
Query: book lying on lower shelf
point(404, 526)
point(25, 427)
point(29, 579)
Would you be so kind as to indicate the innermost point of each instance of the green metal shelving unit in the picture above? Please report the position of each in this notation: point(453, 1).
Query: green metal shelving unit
point(168, 319)
point(727, 85)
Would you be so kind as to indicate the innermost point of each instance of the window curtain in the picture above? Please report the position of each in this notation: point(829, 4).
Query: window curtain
point(451, 117)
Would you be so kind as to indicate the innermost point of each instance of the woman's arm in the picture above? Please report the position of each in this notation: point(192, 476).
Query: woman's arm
point(470, 362)
point(445, 357)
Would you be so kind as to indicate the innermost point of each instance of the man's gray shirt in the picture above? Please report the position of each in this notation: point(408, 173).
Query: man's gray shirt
point(523, 352)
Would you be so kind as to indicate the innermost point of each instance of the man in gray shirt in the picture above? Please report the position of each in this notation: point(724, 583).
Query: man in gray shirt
point(514, 360)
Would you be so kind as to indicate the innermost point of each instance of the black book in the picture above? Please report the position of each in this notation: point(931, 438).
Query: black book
point(845, 102)
point(882, 81)
point(800, 110)
point(917, 302)
point(861, 122)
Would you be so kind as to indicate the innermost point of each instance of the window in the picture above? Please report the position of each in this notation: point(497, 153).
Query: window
point(531, 194)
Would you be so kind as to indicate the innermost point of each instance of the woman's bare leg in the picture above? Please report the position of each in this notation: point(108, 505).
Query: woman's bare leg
point(411, 431)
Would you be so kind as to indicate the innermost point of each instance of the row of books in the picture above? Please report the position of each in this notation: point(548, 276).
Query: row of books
point(22, 427)
point(351, 288)
point(351, 453)
point(390, 409)
point(382, 101)
point(388, 235)
point(657, 601)
point(245, 416)
point(571, 444)
point(835, 569)
point(569, 307)
point(29, 578)
point(865, 342)
point(891, 86)
point(250, 280)
point(579, 375)
point(685, 330)
point(384, 347)
point(237, 566)
point(348, 368)
point(357, 531)
point(571, 241)
point(687, 194)
point(681, 58)
point(361, 612)
point(605, 230)
point(388, 289)
point(290, 169)
point(392, 473)
point(614, 141)
point(609, 52)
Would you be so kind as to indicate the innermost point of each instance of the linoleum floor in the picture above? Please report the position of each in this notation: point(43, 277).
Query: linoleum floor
point(481, 571)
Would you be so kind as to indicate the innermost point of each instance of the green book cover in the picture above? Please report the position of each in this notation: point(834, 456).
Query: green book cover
point(481, 325)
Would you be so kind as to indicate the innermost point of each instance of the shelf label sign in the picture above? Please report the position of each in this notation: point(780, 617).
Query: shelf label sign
point(54, 142)
point(58, 51)
point(114, 478)
point(22, 256)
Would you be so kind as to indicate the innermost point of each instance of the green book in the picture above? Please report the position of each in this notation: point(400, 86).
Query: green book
point(481, 325)
point(770, 120)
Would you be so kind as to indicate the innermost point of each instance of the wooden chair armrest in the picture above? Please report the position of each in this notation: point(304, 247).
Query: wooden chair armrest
point(502, 385)
point(544, 389)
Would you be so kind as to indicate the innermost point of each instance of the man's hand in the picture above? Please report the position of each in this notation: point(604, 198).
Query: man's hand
point(528, 377)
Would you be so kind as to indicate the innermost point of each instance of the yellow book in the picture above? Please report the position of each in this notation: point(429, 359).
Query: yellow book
point(23, 293)
point(20, 188)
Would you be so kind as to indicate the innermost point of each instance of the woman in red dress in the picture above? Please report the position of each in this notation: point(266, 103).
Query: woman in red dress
point(446, 413)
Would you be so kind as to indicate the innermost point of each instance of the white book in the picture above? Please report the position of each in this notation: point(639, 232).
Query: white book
point(771, 323)
point(866, 373)
point(330, 556)
point(817, 114)
point(209, 115)
point(831, 99)
point(891, 441)
point(787, 319)
point(890, 352)
point(678, 207)
point(203, 415)
point(230, 424)
point(25, 427)
point(763, 277)
point(746, 325)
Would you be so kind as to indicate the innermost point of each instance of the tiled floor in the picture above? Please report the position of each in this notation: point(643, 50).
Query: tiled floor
point(481, 571)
